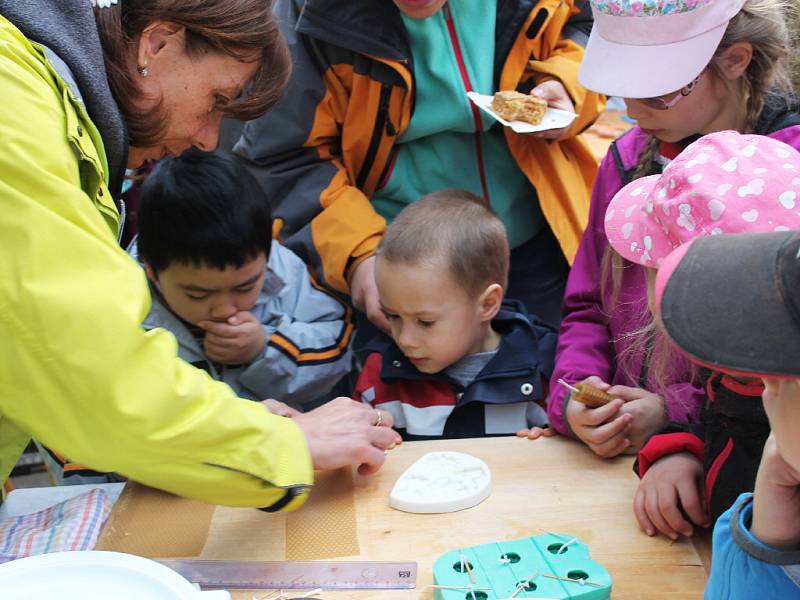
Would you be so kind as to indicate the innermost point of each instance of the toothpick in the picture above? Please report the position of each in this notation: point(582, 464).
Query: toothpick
point(565, 546)
point(580, 581)
point(465, 566)
point(523, 584)
point(571, 388)
point(469, 572)
point(280, 595)
point(558, 535)
point(457, 587)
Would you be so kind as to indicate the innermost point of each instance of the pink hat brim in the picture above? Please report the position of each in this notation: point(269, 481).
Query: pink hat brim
point(666, 269)
point(637, 71)
point(625, 209)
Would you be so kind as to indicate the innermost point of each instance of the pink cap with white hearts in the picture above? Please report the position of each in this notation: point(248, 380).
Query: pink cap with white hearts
point(724, 182)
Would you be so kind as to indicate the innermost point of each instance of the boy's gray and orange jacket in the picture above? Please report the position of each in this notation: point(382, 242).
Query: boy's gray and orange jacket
point(323, 151)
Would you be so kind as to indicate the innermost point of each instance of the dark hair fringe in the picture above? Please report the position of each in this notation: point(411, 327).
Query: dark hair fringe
point(238, 28)
point(202, 209)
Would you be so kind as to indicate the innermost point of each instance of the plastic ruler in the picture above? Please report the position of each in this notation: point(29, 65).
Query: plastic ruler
point(273, 575)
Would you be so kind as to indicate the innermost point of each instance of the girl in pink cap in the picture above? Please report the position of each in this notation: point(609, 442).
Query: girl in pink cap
point(685, 69)
point(723, 183)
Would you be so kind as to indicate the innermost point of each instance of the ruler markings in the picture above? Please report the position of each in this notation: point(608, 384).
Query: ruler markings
point(236, 574)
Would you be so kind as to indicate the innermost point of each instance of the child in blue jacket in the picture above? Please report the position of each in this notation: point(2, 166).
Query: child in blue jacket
point(732, 303)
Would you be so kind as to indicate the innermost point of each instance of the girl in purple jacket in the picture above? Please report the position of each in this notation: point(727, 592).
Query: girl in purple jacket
point(685, 69)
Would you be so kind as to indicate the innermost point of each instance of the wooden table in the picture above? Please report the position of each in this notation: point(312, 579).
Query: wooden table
point(551, 484)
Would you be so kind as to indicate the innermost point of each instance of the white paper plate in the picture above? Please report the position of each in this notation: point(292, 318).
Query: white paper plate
point(553, 117)
point(91, 575)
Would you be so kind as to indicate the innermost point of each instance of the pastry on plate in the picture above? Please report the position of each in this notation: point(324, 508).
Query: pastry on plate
point(514, 106)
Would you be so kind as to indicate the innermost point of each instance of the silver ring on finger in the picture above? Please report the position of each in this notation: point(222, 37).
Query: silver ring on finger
point(379, 418)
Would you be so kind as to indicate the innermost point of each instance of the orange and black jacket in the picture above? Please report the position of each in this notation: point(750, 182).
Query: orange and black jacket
point(323, 151)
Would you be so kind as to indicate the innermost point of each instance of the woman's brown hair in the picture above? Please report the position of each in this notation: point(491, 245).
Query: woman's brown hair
point(238, 28)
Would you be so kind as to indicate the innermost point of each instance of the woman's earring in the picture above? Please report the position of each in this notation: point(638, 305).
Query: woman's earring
point(142, 70)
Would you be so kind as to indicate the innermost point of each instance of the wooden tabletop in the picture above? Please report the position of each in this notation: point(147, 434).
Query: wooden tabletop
point(553, 485)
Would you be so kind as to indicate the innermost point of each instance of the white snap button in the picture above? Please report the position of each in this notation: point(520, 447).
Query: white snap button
point(396, 363)
point(526, 389)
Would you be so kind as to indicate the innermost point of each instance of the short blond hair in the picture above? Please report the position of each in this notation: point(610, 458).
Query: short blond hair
point(453, 228)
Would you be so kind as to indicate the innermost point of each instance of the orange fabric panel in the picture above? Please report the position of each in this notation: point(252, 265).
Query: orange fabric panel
point(348, 229)
point(299, 356)
point(562, 172)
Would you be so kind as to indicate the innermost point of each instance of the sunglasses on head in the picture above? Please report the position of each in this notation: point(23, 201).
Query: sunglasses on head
point(669, 100)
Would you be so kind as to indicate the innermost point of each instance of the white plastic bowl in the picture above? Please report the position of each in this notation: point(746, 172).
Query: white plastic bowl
point(96, 575)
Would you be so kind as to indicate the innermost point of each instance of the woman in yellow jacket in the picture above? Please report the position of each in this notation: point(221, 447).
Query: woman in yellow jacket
point(87, 91)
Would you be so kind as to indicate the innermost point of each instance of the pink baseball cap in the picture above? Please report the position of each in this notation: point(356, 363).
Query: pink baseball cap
point(724, 182)
point(647, 48)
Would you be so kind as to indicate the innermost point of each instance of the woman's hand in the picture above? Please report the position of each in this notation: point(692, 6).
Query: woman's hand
point(648, 414)
point(554, 92)
point(776, 505)
point(343, 432)
point(669, 490)
point(279, 408)
point(364, 293)
point(604, 429)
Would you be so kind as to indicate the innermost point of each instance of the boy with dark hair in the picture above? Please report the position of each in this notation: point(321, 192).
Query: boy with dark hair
point(707, 290)
point(461, 361)
point(241, 306)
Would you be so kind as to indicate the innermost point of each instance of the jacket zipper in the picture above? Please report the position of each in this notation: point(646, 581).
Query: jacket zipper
point(382, 123)
point(476, 117)
point(387, 172)
point(716, 467)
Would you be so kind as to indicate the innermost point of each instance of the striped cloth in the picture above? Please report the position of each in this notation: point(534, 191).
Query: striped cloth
point(73, 524)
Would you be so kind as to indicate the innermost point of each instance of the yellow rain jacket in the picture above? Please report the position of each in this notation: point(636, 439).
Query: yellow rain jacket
point(77, 370)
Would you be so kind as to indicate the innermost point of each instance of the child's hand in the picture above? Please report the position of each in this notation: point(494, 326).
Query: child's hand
point(776, 506)
point(670, 489)
point(554, 92)
point(237, 341)
point(648, 412)
point(603, 429)
point(534, 433)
